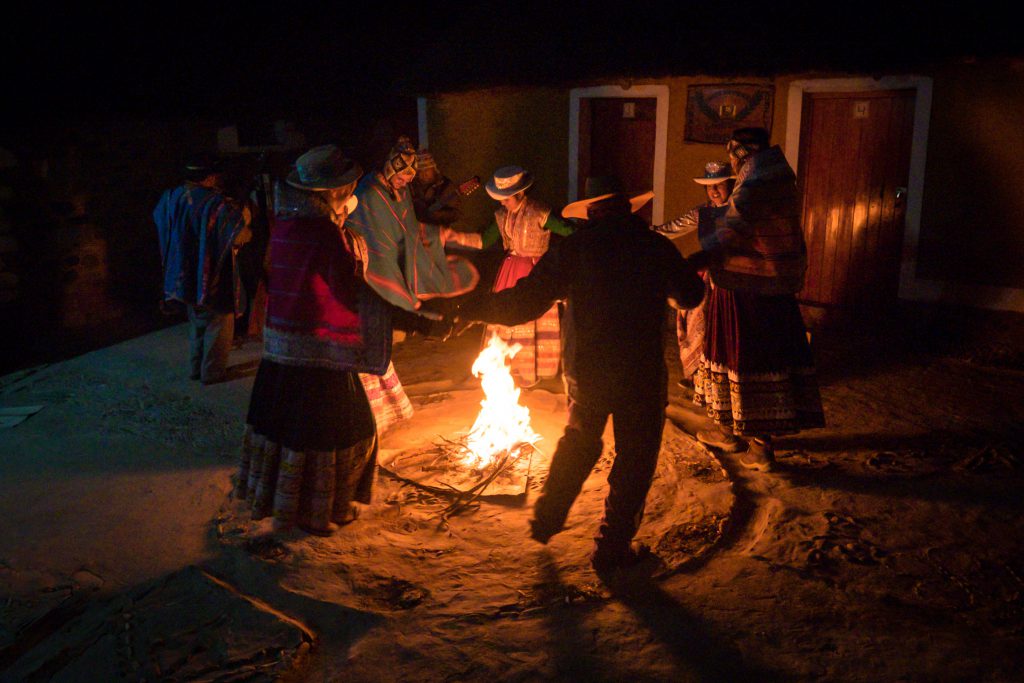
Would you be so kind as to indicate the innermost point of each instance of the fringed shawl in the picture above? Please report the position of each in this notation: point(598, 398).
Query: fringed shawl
point(757, 243)
point(319, 311)
point(407, 264)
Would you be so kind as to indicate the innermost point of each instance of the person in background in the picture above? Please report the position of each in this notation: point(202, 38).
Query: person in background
point(310, 442)
point(200, 230)
point(253, 258)
point(428, 186)
point(756, 376)
point(718, 182)
point(615, 275)
point(405, 266)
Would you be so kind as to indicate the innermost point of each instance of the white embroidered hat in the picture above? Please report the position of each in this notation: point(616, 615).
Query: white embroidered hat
point(508, 181)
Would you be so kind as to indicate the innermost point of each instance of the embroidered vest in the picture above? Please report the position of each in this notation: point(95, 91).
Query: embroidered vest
point(523, 232)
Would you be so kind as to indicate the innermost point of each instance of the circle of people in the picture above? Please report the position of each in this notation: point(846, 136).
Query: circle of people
point(355, 255)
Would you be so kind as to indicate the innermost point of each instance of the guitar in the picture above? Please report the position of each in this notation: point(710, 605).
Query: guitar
point(463, 189)
point(443, 201)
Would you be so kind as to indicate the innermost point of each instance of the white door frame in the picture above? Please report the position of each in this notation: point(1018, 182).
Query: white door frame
point(660, 93)
point(421, 122)
point(911, 287)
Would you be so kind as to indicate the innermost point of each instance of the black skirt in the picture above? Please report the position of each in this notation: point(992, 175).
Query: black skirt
point(309, 409)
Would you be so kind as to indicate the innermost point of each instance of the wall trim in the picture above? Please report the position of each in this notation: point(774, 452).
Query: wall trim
point(659, 92)
point(911, 287)
point(421, 122)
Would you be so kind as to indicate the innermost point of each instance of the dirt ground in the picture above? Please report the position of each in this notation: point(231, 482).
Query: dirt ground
point(885, 547)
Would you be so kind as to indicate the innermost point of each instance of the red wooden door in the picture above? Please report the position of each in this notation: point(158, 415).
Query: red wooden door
point(617, 138)
point(853, 173)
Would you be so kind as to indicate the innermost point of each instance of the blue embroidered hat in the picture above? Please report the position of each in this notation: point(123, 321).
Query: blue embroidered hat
point(714, 173)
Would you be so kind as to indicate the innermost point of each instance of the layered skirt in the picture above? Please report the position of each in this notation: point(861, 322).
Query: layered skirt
point(540, 338)
point(756, 373)
point(309, 448)
point(690, 331)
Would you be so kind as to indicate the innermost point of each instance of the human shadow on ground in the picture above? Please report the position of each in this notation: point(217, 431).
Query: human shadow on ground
point(736, 527)
point(569, 642)
point(688, 637)
point(934, 442)
point(951, 488)
point(337, 626)
point(942, 465)
point(158, 627)
point(696, 653)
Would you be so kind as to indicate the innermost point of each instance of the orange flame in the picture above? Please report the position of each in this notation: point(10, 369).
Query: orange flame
point(502, 423)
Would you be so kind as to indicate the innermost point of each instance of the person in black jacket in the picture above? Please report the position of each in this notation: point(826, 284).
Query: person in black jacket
point(615, 275)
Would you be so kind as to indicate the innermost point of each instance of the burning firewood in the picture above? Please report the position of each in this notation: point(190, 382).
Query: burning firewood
point(491, 458)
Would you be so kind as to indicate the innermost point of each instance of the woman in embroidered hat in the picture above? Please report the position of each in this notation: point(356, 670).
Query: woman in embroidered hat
point(403, 267)
point(718, 182)
point(310, 444)
point(524, 225)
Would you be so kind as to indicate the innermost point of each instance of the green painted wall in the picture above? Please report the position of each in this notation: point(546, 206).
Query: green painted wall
point(474, 133)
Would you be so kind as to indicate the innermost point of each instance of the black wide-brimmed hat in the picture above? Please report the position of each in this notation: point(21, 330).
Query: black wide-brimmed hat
point(600, 188)
point(203, 164)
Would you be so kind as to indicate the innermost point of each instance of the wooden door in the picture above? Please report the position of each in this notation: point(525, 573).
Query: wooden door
point(617, 137)
point(853, 174)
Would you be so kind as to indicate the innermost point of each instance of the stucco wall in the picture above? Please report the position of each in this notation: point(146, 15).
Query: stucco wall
point(475, 133)
point(685, 160)
point(972, 223)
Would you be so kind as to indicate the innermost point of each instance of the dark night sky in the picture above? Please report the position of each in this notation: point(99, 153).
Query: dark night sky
point(225, 58)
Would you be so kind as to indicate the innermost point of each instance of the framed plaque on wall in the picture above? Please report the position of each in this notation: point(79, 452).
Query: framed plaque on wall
point(715, 110)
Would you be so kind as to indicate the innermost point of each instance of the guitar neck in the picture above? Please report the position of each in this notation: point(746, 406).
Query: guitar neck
point(453, 191)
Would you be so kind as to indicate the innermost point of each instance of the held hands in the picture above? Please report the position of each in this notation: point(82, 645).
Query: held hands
point(443, 319)
point(460, 322)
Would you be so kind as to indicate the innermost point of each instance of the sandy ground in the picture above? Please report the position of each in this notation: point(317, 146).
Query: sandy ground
point(887, 546)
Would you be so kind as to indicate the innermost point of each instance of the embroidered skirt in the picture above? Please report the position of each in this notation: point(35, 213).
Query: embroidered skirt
point(756, 373)
point(309, 447)
point(690, 330)
point(387, 397)
point(540, 338)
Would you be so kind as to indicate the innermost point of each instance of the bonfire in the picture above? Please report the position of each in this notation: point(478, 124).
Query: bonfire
point(491, 458)
point(502, 429)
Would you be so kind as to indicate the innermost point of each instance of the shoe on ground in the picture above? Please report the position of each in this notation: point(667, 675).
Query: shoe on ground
point(760, 456)
point(320, 531)
point(723, 441)
point(540, 533)
point(550, 384)
point(350, 516)
point(609, 561)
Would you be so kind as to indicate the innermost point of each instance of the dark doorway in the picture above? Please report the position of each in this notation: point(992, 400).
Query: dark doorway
point(617, 137)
